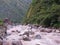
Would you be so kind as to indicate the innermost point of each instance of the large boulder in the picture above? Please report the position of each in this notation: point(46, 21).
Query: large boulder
point(17, 43)
point(46, 30)
point(26, 38)
point(1, 42)
point(37, 36)
point(2, 32)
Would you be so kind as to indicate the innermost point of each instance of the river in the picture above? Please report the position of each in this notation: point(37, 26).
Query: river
point(15, 36)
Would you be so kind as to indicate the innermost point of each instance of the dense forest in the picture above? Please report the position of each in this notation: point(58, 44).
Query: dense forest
point(44, 12)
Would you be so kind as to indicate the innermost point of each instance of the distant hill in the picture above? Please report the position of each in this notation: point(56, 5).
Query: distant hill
point(14, 9)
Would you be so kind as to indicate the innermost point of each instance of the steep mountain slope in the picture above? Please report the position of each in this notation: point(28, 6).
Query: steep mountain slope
point(44, 12)
point(14, 9)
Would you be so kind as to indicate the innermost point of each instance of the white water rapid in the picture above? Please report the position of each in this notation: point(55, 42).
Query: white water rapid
point(15, 36)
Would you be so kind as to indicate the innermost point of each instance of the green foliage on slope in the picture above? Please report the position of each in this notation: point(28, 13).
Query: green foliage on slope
point(44, 12)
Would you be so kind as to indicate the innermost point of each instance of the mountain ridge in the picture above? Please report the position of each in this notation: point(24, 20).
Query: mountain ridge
point(13, 9)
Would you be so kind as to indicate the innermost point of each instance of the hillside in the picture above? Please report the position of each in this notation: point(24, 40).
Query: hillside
point(44, 12)
point(14, 9)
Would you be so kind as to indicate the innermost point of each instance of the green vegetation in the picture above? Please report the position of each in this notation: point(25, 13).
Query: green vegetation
point(1, 22)
point(44, 12)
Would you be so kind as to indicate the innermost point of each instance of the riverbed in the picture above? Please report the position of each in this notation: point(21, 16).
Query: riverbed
point(15, 35)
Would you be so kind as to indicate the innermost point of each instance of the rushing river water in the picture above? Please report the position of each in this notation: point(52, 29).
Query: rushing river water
point(15, 36)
